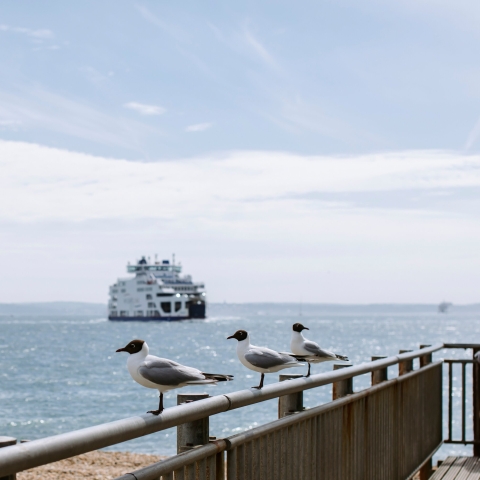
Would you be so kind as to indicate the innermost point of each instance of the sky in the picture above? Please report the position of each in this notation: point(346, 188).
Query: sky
point(315, 152)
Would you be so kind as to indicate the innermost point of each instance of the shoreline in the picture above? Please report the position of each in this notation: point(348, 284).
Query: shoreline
point(96, 465)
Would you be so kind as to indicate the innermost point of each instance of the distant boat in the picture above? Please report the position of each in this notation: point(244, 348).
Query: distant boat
point(156, 292)
point(444, 306)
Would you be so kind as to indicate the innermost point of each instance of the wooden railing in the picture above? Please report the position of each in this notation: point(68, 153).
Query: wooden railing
point(462, 365)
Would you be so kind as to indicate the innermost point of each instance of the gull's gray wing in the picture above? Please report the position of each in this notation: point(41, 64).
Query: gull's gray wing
point(266, 358)
point(314, 349)
point(167, 372)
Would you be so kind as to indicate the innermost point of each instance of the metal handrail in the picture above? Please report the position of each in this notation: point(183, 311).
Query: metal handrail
point(32, 454)
point(155, 470)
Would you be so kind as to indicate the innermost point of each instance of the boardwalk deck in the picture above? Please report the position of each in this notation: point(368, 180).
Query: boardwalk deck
point(458, 468)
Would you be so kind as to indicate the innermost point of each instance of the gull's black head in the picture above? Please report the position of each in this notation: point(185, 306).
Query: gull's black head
point(133, 347)
point(239, 335)
point(298, 327)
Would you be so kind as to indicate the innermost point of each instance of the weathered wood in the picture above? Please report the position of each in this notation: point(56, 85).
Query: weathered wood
point(426, 470)
point(380, 375)
point(450, 468)
point(476, 404)
point(405, 366)
point(443, 468)
point(193, 433)
point(220, 466)
point(425, 359)
point(343, 387)
point(467, 467)
point(6, 442)
point(289, 404)
point(474, 473)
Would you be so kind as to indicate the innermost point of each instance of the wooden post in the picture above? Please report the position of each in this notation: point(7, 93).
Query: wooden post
point(476, 404)
point(343, 387)
point(219, 466)
point(289, 404)
point(191, 434)
point(425, 359)
point(405, 366)
point(380, 375)
point(6, 442)
point(426, 470)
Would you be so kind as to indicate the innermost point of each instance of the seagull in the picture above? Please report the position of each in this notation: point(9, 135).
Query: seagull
point(308, 351)
point(261, 359)
point(163, 374)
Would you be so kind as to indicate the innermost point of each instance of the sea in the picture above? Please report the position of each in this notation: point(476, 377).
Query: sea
point(60, 372)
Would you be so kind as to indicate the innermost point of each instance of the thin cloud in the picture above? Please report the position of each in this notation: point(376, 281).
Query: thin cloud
point(473, 135)
point(41, 34)
point(170, 29)
point(145, 109)
point(13, 125)
point(42, 110)
point(199, 127)
point(259, 48)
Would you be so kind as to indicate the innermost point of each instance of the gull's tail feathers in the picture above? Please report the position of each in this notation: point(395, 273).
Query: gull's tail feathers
point(343, 358)
point(218, 377)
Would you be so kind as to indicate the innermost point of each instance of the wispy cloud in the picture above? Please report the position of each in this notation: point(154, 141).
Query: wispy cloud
point(42, 33)
point(473, 135)
point(10, 124)
point(259, 49)
point(295, 114)
point(168, 27)
point(94, 76)
point(198, 127)
point(145, 109)
point(43, 110)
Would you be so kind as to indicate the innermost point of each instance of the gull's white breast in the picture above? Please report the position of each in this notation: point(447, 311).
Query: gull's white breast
point(242, 349)
point(134, 362)
point(296, 344)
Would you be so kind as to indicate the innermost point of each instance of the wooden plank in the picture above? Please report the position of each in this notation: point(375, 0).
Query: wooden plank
point(444, 468)
point(467, 468)
point(475, 471)
point(455, 469)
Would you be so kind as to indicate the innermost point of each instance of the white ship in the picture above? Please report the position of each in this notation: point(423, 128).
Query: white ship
point(156, 292)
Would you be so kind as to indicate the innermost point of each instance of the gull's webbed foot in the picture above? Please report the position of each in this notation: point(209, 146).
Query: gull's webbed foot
point(155, 412)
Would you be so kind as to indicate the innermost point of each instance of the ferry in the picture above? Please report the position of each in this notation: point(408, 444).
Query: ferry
point(158, 291)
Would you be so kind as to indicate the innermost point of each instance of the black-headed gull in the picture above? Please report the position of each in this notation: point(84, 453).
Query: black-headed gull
point(308, 351)
point(163, 374)
point(261, 359)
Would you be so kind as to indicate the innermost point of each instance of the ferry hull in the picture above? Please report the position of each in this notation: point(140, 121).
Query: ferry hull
point(151, 319)
point(197, 310)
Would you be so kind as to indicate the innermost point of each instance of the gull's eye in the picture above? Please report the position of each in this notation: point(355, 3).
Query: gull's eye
point(132, 345)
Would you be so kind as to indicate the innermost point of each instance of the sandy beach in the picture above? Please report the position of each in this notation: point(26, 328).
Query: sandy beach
point(96, 465)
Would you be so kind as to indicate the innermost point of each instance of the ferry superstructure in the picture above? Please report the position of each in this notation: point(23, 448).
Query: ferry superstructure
point(156, 292)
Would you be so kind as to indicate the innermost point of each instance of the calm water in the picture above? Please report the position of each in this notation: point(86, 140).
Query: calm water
point(59, 374)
